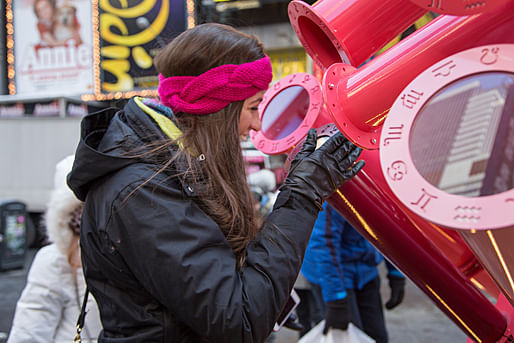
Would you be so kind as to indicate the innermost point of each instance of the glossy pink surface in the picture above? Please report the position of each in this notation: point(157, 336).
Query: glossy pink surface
point(494, 250)
point(449, 242)
point(435, 259)
point(434, 256)
point(369, 209)
point(359, 102)
point(459, 7)
point(333, 31)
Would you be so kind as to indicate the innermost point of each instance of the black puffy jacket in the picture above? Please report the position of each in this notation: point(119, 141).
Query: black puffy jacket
point(160, 269)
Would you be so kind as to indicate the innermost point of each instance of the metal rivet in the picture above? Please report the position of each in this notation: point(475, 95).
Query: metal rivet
point(331, 86)
point(201, 157)
point(373, 141)
point(190, 189)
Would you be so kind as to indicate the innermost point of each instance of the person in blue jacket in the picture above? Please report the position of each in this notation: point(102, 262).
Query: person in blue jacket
point(344, 264)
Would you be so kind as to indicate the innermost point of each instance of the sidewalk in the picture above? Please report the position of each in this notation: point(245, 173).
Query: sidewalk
point(416, 320)
point(11, 285)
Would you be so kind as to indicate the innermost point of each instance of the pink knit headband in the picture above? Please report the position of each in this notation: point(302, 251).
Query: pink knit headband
point(216, 88)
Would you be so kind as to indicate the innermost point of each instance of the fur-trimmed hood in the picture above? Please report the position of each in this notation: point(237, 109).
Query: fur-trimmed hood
point(60, 207)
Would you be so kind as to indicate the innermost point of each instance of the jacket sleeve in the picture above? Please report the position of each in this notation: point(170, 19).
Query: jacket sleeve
point(182, 258)
point(326, 246)
point(39, 309)
point(392, 270)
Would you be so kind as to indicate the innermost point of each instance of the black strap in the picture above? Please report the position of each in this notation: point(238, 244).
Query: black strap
point(82, 317)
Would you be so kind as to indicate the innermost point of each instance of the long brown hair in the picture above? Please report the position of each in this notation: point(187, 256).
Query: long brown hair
point(225, 195)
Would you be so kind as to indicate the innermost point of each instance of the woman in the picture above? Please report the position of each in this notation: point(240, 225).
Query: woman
point(49, 305)
point(170, 242)
point(45, 11)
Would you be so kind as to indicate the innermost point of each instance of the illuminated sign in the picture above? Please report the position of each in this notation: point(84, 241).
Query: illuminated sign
point(129, 35)
point(49, 47)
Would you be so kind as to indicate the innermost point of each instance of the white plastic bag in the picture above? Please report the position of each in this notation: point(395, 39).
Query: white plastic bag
point(352, 335)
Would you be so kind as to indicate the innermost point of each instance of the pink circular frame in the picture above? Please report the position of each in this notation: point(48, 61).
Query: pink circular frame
point(421, 197)
point(313, 88)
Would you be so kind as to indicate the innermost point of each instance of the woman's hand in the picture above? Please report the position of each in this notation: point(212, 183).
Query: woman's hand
point(317, 173)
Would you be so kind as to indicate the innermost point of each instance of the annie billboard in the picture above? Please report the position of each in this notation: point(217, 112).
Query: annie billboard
point(53, 50)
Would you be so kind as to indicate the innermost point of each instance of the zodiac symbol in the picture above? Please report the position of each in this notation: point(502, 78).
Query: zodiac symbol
point(397, 170)
point(395, 132)
point(411, 99)
point(445, 69)
point(468, 214)
point(489, 56)
point(425, 195)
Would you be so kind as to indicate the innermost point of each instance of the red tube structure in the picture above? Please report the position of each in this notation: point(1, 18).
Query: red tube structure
point(294, 105)
point(419, 259)
point(383, 222)
point(333, 31)
point(465, 178)
point(358, 100)
point(446, 244)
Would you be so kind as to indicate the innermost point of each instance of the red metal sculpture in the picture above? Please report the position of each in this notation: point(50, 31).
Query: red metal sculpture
point(453, 249)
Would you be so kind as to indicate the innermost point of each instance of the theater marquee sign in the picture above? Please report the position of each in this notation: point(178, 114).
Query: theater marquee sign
point(49, 47)
point(99, 49)
point(128, 36)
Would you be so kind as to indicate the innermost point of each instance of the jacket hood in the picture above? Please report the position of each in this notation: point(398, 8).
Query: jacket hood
point(106, 140)
point(60, 207)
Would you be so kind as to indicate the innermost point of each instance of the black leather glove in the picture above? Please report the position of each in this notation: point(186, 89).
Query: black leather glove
point(317, 173)
point(397, 285)
point(337, 315)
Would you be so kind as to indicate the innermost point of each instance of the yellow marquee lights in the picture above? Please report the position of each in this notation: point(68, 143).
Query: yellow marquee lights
point(190, 8)
point(152, 93)
point(10, 46)
point(96, 50)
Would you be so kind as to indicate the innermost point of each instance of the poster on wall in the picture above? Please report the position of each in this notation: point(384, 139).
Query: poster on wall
point(131, 33)
point(53, 47)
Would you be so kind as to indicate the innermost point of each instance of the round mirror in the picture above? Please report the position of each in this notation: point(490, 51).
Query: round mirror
point(285, 112)
point(462, 140)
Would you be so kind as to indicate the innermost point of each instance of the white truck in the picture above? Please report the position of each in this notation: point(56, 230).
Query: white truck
point(36, 133)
